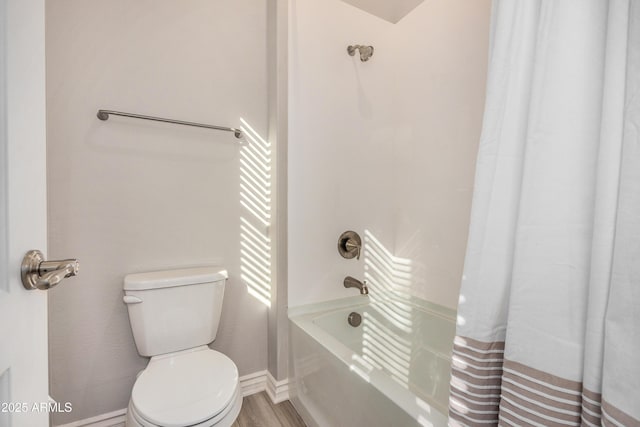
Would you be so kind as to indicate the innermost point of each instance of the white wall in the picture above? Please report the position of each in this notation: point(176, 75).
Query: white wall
point(386, 148)
point(128, 196)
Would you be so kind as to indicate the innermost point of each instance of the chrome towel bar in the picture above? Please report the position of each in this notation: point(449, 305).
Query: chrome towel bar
point(104, 115)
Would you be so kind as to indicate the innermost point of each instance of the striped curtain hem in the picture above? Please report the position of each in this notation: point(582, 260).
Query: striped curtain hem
point(476, 381)
point(487, 389)
point(612, 416)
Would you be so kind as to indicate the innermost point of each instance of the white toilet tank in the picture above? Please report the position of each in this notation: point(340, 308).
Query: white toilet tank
point(174, 310)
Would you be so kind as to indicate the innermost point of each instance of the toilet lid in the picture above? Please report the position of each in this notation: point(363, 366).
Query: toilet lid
point(186, 388)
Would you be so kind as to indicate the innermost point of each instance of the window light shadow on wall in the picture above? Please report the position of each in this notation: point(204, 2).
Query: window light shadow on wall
point(255, 219)
point(387, 328)
point(387, 275)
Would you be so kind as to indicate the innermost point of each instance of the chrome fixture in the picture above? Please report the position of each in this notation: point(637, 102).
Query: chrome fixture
point(40, 274)
point(104, 115)
point(366, 52)
point(350, 245)
point(350, 282)
point(354, 319)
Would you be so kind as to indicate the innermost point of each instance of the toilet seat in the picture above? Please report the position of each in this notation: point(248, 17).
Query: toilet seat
point(196, 387)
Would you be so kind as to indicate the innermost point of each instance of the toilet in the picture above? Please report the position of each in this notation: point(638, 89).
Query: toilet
point(174, 314)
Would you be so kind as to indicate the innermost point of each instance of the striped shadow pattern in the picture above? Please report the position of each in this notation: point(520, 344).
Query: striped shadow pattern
point(476, 381)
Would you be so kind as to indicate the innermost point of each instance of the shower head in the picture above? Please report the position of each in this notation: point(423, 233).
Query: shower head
point(366, 52)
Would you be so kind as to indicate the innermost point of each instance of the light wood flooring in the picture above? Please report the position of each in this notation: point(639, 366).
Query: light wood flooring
point(258, 411)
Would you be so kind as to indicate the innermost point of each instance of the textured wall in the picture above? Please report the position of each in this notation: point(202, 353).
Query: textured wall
point(386, 147)
point(129, 196)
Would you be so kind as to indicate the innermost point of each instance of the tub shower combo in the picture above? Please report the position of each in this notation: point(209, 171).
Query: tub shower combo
point(375, 359)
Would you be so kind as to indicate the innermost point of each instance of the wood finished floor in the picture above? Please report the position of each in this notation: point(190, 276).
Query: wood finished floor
point(258, 411)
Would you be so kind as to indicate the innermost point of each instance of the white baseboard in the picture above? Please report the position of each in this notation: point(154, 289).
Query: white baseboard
point(256, 382)
point(111, 419)
point(253, 383)
point(278, 391)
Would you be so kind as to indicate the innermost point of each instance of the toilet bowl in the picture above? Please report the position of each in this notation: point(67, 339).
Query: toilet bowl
point(173, 315)
point(197, 387)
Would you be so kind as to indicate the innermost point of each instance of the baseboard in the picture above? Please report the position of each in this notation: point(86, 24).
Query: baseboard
point(256, 382)
point(111, 419)
point(253, 383)
point(278, 391)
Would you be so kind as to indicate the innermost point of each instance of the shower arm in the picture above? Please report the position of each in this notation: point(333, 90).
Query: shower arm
point(366, 52)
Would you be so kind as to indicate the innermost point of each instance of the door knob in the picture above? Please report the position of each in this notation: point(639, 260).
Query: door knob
point(40, 274)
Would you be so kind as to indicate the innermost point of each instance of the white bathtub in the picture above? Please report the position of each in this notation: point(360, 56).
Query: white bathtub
point(392, 370)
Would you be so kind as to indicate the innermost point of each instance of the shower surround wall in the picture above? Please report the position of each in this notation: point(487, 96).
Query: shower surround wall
point(386, 147)
point(129, 196)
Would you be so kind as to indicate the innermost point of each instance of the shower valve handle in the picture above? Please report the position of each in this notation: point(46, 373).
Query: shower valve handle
point(349, 245)
point(353, 246)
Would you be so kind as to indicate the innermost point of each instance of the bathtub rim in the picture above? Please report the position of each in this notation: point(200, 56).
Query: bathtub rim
point(361, 300)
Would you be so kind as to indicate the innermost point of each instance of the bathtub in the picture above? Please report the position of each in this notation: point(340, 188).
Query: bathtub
point(391, 370)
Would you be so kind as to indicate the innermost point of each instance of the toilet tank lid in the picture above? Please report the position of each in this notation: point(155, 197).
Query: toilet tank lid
point(170, 278)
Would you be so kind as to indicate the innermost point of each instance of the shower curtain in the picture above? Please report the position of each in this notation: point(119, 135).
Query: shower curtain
point(548, 329)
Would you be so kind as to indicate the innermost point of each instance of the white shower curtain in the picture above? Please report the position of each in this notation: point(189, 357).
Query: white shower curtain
point(549, 313)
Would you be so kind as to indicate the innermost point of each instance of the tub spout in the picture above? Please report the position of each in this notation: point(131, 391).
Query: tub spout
point(351, 282)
